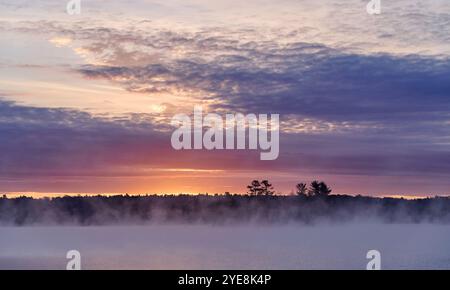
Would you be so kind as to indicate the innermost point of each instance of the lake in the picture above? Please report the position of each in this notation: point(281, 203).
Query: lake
point(227, 247)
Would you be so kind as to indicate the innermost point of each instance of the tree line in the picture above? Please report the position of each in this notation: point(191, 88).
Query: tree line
point(265, 188)
point(220, 209)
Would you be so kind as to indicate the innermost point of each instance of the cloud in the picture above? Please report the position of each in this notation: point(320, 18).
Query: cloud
point(311, 81)
point(60, 142)
point(60, 41)
point(358, 95)
point(41, 141)
point(343, 112)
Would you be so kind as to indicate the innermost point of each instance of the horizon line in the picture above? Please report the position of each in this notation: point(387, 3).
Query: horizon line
point(41, 195)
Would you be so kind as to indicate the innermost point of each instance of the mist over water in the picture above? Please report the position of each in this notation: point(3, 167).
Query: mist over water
point(402, 246)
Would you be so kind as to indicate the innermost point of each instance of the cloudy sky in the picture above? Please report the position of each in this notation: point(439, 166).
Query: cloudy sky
point(86, 100)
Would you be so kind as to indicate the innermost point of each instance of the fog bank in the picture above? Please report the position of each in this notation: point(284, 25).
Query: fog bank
point(220, 210)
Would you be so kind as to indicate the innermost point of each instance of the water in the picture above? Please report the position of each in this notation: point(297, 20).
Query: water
point(227, 247)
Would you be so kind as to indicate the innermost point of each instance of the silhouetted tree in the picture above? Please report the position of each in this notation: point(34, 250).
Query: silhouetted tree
point(319, 189)
point(266, 188)
point(254, 188)
point(313, 189)
point(301, 189)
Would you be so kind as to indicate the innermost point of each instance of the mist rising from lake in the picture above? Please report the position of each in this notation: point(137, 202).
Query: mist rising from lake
point(227, 247)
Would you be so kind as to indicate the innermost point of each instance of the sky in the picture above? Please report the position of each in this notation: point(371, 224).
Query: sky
point(86, 100)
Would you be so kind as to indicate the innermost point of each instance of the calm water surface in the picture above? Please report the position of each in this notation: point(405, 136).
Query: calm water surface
point(226, 247)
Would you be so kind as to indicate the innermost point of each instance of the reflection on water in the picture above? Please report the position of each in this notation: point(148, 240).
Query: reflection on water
point(239, 247)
